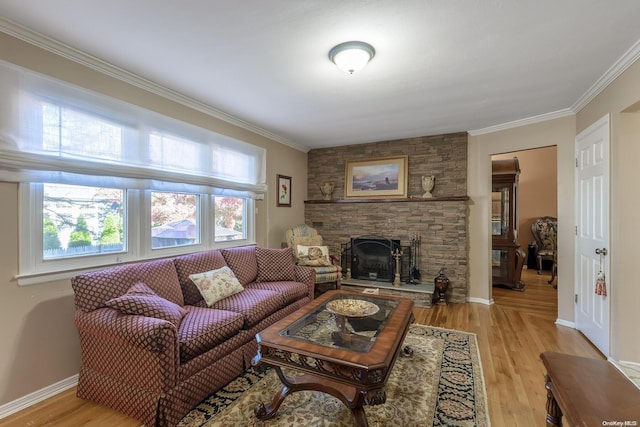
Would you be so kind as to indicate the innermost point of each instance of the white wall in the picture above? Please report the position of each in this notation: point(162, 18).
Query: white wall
point(40, 343)
point(621, 101)
point(559, 132)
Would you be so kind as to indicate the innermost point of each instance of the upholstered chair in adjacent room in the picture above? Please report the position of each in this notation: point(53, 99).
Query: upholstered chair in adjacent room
point(545, 232)
point(309, 251)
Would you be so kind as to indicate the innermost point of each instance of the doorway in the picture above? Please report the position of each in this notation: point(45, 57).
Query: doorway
point(592, 233)
point(537, 195)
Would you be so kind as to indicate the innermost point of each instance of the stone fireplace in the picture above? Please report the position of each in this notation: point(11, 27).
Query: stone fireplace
point(441, 222)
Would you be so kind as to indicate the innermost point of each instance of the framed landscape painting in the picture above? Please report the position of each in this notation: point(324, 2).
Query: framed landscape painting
point(376, 178)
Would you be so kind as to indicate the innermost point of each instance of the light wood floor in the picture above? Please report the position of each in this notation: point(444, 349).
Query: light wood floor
point(511, 334)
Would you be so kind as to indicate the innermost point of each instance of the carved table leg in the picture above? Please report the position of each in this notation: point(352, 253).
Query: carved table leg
point(360, 416)
point(554, 413)
point(265, 412)
point(352, 397)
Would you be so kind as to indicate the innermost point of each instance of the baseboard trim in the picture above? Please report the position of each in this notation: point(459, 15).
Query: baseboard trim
point(37, 396)
point(633, 364)
point(480, 300)
point(566, 323)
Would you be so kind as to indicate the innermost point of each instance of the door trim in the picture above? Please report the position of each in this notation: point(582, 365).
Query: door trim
point(604, 121)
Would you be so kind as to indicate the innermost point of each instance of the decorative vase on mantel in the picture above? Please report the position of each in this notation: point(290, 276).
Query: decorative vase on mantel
point(441, 282)
point(428, 182)
point(326, 188)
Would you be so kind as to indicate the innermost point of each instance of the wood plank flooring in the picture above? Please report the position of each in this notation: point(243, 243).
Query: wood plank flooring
point(511, 335)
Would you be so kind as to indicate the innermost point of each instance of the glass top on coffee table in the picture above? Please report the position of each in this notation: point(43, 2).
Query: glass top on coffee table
point(350, 322)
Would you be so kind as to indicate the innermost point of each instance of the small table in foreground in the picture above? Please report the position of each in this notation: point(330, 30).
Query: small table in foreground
point(588, 392)
point(344, 343)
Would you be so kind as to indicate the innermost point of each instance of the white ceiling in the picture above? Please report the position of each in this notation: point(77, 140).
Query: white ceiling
point(441, 65)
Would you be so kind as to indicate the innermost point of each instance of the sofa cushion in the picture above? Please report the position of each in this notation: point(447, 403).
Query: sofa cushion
point(204, 328)
point(196, 263)
point(254, 304)
point(216, 284)
point(275, 265)
point(242, 260)
point(93, 289)
point(289, 291)
point(142, 301)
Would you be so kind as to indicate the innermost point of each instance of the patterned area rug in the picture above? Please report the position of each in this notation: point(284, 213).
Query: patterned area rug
point(440, 385)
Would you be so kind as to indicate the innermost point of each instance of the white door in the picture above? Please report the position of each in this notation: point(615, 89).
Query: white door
point(592, 232)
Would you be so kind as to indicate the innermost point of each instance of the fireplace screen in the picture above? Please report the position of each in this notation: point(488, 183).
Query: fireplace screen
point(370, 258)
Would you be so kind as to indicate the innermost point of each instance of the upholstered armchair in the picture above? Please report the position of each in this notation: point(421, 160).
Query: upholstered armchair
point(545, 232)
point(309, 251)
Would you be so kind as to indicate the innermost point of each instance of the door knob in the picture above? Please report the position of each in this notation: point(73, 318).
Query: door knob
point(602, 251)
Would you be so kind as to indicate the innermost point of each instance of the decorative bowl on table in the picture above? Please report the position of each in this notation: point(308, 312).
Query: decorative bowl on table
point(352, 307)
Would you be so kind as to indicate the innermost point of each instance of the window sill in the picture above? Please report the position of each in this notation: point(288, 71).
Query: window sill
point(37, 278)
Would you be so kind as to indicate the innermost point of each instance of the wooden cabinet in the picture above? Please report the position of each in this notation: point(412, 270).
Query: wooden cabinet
point(507, 257)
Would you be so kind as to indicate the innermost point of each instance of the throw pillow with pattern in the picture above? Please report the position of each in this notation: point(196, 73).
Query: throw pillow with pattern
point(313, 256)
point(275, 265)
point(141, 300)
point(307, 240)
point(216, 285)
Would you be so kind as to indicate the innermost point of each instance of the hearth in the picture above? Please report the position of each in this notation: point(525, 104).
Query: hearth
point(370, 258)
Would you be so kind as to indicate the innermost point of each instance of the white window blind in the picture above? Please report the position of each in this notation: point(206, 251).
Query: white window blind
point(53, 132)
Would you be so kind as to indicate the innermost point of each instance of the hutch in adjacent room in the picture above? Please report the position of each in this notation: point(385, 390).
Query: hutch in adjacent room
point(507, 258)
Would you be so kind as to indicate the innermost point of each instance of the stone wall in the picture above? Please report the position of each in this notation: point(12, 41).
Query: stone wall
point(441, 224)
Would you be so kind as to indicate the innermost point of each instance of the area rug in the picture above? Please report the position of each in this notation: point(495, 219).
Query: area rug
point(440, 385)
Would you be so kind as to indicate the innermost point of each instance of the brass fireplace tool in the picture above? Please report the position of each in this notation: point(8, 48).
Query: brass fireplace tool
point(414, 273)
point(397, 254)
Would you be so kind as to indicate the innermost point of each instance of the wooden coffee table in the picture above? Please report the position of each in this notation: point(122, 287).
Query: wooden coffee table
point(344, 344)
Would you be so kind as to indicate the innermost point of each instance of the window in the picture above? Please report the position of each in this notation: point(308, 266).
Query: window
point(230, 218)
point(104, 182)
point(174, 219)
point(78, 220)
point(73, 227)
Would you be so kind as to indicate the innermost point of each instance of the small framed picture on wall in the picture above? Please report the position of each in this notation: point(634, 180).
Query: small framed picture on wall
point(284, 191)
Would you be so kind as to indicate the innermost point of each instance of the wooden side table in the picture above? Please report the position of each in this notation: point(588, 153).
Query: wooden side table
point(588, 392)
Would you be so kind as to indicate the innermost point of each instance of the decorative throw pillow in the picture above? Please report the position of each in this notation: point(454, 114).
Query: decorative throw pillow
point(141, 300)
point(313, 256)
point(275, 265)
point(216, 285)
point(307, 241)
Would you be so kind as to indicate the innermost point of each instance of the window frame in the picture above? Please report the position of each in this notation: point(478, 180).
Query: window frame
point(34, 269)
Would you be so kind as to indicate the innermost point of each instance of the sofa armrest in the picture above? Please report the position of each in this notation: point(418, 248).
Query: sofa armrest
point(138, 350)
point(306, 275)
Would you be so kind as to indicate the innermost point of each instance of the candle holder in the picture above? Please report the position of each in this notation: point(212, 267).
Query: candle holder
point(397, 253)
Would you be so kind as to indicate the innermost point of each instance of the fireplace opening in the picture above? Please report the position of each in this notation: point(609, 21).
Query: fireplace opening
point(370, 258)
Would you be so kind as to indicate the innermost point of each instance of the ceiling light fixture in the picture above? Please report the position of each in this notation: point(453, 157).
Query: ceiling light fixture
point(352, 56)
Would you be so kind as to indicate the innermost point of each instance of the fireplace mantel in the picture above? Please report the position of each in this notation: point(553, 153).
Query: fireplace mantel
point(396, 200)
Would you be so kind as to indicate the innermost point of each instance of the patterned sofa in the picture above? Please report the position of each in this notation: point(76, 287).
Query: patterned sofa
point(157, 364)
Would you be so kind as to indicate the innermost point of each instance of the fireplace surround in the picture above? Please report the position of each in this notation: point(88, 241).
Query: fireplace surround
point(371, 258)
point(441, 221)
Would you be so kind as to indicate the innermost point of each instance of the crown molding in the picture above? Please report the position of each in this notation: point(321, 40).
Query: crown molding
point(522, 122)
point(619, 67)
point(27, 35)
